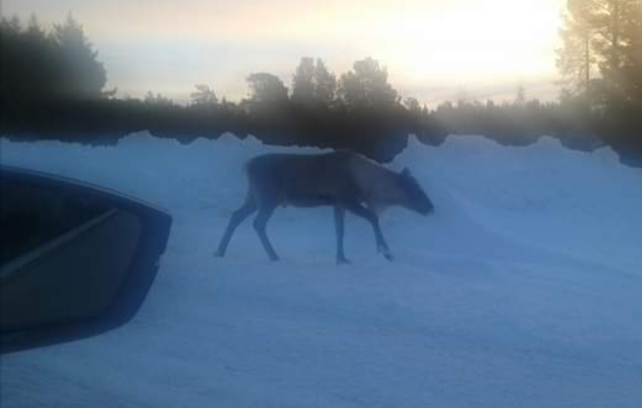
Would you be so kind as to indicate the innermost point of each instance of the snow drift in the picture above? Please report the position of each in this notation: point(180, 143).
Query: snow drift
point(522, 290)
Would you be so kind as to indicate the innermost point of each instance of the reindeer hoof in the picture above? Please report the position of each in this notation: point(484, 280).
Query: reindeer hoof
point(385, 252)
point(343, 261)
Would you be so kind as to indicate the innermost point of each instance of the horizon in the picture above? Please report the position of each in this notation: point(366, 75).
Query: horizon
point(434, 51)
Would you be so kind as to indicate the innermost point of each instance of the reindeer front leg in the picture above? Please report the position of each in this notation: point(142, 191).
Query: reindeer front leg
point(358, 209)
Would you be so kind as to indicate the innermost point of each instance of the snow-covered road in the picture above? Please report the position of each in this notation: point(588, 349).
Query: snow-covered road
point(523, 290)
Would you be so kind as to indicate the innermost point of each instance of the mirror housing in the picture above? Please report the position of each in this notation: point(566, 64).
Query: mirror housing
point(77, 259)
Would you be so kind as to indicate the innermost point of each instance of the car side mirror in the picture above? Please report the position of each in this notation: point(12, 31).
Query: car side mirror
point(76, 259)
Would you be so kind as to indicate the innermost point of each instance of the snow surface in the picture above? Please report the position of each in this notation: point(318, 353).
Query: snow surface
point(523, 290)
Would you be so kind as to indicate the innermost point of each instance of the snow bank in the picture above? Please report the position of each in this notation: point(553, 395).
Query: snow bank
point(522, 290)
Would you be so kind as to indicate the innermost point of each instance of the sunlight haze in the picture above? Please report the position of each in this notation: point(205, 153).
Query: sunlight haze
point(434, 50)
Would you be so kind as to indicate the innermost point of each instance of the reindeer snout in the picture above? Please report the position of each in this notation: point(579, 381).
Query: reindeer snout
point(429, 210)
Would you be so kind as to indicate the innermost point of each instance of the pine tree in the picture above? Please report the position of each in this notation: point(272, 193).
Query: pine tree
point(607, 35)
point(303, 82)
point(618, 24)
point(84, 76)
point(325, 84)
point(204, 96)
point(313, 85)
point(520, 97)
point(576, 59)
point(366, 86)
point(267, 88)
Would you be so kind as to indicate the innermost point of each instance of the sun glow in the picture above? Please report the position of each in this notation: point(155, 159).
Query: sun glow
point(427, 45)
point(482, 40)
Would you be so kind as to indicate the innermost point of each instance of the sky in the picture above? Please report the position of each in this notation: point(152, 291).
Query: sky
point(434, 50)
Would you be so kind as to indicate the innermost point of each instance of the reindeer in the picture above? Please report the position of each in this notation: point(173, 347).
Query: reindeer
point(342, 179)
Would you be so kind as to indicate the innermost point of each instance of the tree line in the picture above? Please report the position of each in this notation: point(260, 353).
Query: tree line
point(601, 63)
point(52, 85)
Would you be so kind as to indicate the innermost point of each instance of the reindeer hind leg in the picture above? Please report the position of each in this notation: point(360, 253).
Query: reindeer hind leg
point(339, 223)
point(260, 224)
point(247, 209)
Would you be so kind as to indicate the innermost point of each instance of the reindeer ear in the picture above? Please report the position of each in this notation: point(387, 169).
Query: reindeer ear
point(404, 176)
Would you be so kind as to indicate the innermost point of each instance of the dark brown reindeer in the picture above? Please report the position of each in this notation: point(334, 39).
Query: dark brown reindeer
point(344, 180)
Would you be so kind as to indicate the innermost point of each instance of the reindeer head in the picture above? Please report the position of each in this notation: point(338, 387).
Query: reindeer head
point(413, 196)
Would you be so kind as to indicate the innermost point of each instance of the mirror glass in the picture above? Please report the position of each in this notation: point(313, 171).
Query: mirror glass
point(64, 255)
